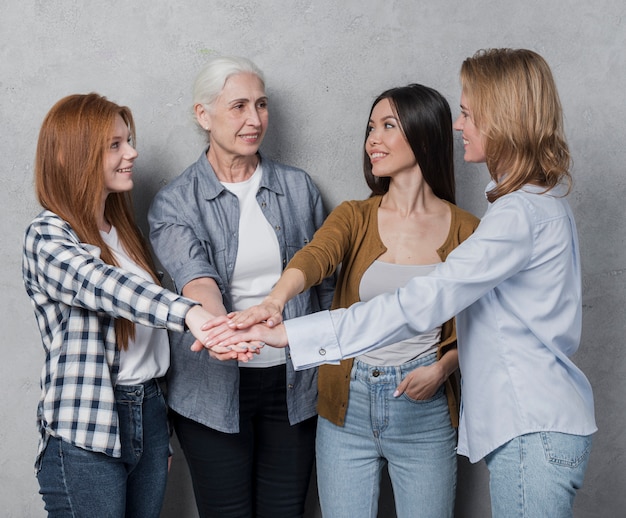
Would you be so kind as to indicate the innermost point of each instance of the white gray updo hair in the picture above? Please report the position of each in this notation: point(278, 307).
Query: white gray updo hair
point(212, 78)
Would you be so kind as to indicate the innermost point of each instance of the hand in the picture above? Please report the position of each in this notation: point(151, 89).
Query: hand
point(258, 334)
point(269, 311)
point(198, 320)
point(243, 352)
point(422, 382)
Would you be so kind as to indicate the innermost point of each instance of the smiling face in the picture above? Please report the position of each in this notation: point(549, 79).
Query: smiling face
point(118, 160)
point(386, 145)
point(237, 119)
point(473, 139)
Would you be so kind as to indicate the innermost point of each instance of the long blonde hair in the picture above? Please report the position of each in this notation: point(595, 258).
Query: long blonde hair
point(515, 104)
point(69, 180)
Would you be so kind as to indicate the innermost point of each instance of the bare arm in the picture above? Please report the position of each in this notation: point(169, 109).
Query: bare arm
point(206, 292)
point(270, 310)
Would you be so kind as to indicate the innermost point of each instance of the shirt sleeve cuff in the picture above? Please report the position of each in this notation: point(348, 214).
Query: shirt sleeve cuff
point(312, 340)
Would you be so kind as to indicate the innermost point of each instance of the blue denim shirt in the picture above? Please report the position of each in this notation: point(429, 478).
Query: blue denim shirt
point(194, 223)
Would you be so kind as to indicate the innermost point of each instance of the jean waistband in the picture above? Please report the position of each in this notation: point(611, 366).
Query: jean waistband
point(142, 391)
point(388, 373)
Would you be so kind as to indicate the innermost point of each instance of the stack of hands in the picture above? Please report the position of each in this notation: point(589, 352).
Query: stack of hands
point(240, 335)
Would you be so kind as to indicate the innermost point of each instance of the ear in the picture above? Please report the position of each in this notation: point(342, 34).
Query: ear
point(202, 116)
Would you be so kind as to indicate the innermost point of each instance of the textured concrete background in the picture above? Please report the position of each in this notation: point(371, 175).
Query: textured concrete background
point(325, 61)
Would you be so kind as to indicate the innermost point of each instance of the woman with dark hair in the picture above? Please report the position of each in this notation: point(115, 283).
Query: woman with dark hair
point(397, 405)
point(103, 318)
point(515, 288)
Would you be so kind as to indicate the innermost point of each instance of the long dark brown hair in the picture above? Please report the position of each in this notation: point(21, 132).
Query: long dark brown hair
point(426, 121)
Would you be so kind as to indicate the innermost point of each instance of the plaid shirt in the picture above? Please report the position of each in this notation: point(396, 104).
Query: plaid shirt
point(76, 298)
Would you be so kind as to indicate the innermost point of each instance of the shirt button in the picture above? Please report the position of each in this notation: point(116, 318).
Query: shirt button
point(322, 352)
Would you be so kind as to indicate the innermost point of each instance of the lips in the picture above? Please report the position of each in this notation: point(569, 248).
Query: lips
point(378, 155)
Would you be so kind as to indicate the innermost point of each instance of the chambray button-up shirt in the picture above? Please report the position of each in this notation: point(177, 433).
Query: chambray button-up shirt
point(75, 296)
point(194, 222)
point(516, 290)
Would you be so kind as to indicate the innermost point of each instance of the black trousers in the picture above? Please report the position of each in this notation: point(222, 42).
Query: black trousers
point(264, 470)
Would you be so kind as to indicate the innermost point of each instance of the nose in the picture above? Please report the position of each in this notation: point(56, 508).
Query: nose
point(373, 137)
point(458, 123)
point(253, 117)
point(130, 152)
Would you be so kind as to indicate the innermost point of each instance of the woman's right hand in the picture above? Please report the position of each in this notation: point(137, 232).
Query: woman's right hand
point(269, 311)
point(197, 319)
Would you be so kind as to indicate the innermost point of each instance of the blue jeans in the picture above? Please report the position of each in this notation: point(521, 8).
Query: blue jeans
point(537, 475)
point(78, 483)
point(414, 438)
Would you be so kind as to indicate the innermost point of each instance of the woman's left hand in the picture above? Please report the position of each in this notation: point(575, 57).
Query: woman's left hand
point(422, 382)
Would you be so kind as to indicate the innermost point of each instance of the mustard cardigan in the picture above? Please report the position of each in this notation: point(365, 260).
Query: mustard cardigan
point(349, 239)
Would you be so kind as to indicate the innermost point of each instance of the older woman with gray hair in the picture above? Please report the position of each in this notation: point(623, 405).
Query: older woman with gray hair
point(224, 230)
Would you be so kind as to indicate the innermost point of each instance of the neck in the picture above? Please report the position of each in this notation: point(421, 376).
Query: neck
point(103, 224)
point(232, 169)
point(410, 197)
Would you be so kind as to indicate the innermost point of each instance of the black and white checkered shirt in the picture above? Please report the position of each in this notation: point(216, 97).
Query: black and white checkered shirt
point(76, 298)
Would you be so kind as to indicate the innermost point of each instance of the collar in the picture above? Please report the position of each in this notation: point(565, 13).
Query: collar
point(210, 187)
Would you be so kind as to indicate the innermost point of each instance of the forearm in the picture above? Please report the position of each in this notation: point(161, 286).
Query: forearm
point(206, 291)
point(449, 363)
point(288, 286)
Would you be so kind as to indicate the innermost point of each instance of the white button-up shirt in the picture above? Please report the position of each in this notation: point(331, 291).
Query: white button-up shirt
point(516, 290)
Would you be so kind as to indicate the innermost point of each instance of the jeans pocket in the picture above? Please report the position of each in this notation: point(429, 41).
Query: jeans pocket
point(564, 449)
point(439, 393)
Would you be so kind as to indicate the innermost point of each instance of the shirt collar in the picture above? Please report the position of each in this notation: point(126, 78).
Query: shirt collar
point(211, 187)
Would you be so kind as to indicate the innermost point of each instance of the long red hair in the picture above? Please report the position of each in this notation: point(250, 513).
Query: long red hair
point(69, 180)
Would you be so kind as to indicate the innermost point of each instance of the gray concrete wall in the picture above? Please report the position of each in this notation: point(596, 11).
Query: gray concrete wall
point(325, 61)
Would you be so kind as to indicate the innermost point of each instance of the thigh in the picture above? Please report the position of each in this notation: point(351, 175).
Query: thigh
point(419, 444)
point(147, 478)
point(220, 465)
point(349, 462)
point(538, 474)
point(75, 482)
point(284, 453)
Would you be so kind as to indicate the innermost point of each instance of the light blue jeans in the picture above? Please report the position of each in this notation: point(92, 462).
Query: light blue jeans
point(414, 438)
point(537, 475)
point(78, 483)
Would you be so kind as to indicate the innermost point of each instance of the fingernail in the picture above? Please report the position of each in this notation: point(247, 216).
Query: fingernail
point(396, 394)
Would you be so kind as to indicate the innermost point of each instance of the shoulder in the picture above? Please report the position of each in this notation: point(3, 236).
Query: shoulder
point(48, 225)
point(286, 173)
point(363, 207)
point(463, 218)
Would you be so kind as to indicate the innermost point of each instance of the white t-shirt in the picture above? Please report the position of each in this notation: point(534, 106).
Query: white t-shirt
point(148, 355)
point(258, 266)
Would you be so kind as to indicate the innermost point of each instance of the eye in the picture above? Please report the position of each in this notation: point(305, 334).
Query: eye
point(115, 145)
point(262, 105)
point(389, 125)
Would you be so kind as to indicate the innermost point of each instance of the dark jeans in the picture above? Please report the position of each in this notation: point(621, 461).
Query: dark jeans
point(78, 483)
point(264, 470)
